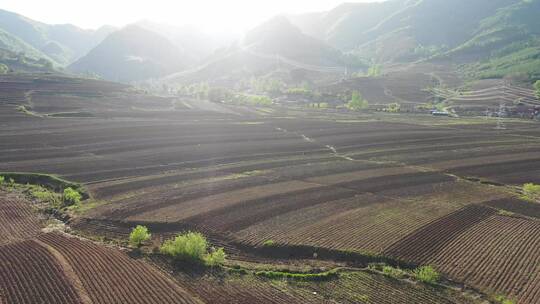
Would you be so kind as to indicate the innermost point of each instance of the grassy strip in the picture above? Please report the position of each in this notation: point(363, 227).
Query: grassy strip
point(322, 276)
point(27, 111)
point(48, 181)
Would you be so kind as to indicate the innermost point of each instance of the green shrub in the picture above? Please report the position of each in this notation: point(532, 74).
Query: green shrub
point(215, 258)
point(393, 272)
point(537, 87)
point(357, 102)
point(2, 179)
point(503, 300)
point(269, 243)
point(193, 247)
point(72, 196)
point(46, 196)
point(138, 236)
point(3, 68)
point(531, 191)
point(426, 274)
point(393, 108)
point(189, 246)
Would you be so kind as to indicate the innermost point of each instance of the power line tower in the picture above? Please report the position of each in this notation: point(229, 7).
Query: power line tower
point(501, 114)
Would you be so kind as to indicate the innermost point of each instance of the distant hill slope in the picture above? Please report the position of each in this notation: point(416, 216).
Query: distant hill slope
point(344, 27)
point(506, 42)
point(276, 45)
point(405, 30)
point(194, 43)
point(510, 24)
point(63, 43)
point(17, 55)
point(131, 54)
point(280, 37)
point(16, 45)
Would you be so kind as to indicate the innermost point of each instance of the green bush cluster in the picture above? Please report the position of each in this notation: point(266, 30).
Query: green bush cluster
point(269, 243)
point(2, 180)
point(531, 191)
point(396, 273)
point(9, 181)
point(393, 107)
point(138, 236)
point(503, 300)
point(537, 88)
point(215, 258)
point(71, 196)
point(45, 195)
point(426, 274)
point(193, 246)
point(3, 68)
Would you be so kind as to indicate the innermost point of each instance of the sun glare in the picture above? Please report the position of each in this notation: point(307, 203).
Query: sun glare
point(209, 15)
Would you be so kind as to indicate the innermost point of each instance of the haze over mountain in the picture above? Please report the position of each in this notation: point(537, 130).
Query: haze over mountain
point(280, 37)
point(130, 54)
point(63, 43)
point(396, 29)
point(350, 35)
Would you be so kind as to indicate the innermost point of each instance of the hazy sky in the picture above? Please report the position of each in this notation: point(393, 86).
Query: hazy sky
point(212, 15)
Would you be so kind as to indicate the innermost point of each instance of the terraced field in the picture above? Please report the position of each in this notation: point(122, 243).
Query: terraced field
point(488, 95)
point(53, 267)
point(416, 188)
point(351, 287)
point(39, 267)
point(18, 219)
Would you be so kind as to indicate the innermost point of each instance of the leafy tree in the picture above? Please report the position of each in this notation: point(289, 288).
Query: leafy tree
point(139, 235)
point(193, 246)
point(357, 102)
point(3, 68)
point(375, 70)
point(189, 246)
point(72, 196)
point(426, 274)
point(274, 86)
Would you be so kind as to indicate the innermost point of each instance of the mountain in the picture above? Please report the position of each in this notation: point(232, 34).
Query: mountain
point(274, 47)
point(344, 26)
point(505, 43)
point(195, 44)
point(62, 43)
point(132, 54)
point(514, 23)
point(16, 45)
point(406, 30)
point(279, 36)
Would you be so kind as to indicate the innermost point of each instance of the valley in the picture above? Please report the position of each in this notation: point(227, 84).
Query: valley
point(374, 152)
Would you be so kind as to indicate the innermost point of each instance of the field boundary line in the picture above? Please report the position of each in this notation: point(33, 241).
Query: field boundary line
point(72, 277)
